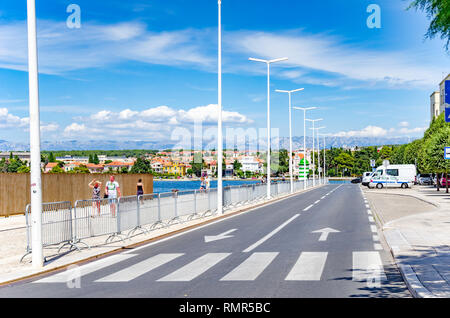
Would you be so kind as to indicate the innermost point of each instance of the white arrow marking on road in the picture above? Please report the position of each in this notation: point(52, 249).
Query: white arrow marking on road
point(325, 233)
point(219, 237)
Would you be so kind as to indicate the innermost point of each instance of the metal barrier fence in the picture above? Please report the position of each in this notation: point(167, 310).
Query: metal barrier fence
point(57, 226)
point(67, 226)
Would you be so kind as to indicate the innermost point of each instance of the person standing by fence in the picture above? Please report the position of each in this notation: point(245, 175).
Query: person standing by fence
point(112, 189)
point(140, 191)
point(96, 186)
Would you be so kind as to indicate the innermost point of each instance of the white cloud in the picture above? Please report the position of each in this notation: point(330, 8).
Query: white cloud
point(412, 131)
point(8, 120)
point(98, 45)
point(404, 124)
point(74, 128)
point(151, 123)
point(369, 131)
point(49, 127)
point(336, 62)
point(318, 59)
point(375, 131)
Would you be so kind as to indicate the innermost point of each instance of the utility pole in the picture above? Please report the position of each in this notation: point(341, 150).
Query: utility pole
point(35, 139)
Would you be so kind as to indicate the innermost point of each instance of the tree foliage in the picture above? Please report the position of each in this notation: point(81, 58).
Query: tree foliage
point(438, 11)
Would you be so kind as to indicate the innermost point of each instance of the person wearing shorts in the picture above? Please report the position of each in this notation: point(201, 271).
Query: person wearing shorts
point(96, 186)
point(112, 189)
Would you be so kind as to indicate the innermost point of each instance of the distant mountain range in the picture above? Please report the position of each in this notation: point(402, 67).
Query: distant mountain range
point(335, 142)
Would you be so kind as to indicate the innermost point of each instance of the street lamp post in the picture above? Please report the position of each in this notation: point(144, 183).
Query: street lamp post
point(324, 158)
point(318, 152)
point(291, 172)
point(268, 62)
point(35, 139)
point(304, 141)
point(314, 162)
point(219, 124)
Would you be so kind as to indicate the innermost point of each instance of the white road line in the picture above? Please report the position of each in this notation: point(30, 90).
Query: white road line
point(195, 268)
point(317, 202)
point(322, 198)
point(378, 247)
point(77, 272)
point(309, 267)
point(376, 238)
point(368, 267)
point(371, 219)
point(308, 208)
point(139, 269)
point(367, 206)
point(369, 212)
point(268, 236)
point(251, 268)
point(373, 228)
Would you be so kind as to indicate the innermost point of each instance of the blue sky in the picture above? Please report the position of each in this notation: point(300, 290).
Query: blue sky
point(138, 70)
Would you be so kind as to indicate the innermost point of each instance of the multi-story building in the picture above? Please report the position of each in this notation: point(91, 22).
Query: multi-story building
point(24, 156)
point(437, 99)
point(250, 163)
point(118, 166)
point(435, 103)
point(175, 168)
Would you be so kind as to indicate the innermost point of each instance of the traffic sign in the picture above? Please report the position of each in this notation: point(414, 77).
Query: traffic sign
point(447, 114)
point(447, 92)
point(372, 163)
point(447, 153)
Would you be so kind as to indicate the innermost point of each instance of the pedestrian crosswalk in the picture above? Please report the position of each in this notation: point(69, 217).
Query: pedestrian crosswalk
point(308, 267)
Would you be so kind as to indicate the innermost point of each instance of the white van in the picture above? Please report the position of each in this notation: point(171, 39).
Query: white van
point(394, 176)
point(366, 178)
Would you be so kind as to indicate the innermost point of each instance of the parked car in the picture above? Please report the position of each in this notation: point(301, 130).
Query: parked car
point(387, 181)
point(425, 179)
point(366, 178)
point(444, 182)
point(357, 180)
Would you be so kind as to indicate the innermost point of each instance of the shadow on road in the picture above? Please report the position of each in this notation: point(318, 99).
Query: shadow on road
point(393, 287)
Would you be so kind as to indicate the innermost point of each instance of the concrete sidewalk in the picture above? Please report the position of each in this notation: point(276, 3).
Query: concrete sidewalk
point(416, 226)
point(14, 241)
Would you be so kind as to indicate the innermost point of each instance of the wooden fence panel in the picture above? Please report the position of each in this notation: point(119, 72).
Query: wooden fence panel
point(15, 188)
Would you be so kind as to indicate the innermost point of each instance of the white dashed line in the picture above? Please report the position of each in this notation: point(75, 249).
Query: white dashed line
point(378, 247)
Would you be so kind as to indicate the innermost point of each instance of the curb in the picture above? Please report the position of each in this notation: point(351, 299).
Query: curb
point(215, 218)
point(410, 278)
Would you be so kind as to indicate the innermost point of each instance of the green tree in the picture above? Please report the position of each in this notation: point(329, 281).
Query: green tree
point(81, 169)
point(51, 157)
point(237, 165)
point(57, 169)
point(198, 164)
point(91, 159)
point(14, 165)
point(23, 169)
point(439, 13)
point(96, 160)
point(344, 161)
point(141, 166)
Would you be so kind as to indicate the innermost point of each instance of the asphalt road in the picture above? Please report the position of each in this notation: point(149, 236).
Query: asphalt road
point(269, 252)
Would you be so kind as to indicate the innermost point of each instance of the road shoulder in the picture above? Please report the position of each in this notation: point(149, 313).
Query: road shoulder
point(418, 240)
